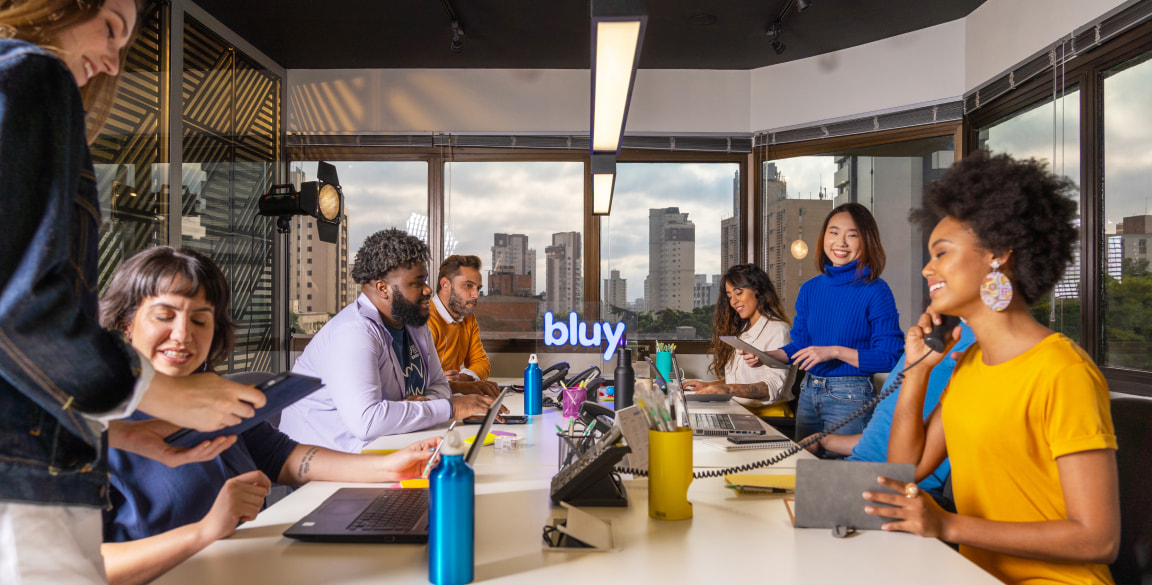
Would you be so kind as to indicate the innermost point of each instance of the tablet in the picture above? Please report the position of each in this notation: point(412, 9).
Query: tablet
point(280, 392)
point(744, 346)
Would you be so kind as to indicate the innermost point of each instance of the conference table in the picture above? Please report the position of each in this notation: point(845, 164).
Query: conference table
point(730, 536)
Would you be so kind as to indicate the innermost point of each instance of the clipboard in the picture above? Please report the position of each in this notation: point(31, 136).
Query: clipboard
point(744, 346)
point(280, 391)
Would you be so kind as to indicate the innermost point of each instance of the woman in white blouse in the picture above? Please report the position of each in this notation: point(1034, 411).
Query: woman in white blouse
point(753, 312)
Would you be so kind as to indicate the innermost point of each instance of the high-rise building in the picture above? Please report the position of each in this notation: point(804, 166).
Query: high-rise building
point(774, 188)
point(512, 259)
point(671, 259)
point(565, 273)
point(615, 293)
point(318, 281)
point(730, 228)
point(788, 264)
point(705, 293)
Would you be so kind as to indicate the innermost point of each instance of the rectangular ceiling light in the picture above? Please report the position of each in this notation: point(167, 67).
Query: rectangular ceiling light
point(617, 33)
point(603, 182)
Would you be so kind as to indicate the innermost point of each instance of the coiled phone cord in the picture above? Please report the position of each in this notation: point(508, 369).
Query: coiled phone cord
point(795, 448)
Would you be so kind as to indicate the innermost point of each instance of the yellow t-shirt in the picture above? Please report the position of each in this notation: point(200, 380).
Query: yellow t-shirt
point(1005, 425)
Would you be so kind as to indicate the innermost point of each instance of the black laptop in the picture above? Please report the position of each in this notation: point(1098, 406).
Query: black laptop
point(379, 515)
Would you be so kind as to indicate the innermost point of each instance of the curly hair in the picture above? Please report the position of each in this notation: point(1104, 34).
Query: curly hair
point(871, 250)
point(1012, 206)
point(726, 321)
point(385, 251)
point(164, 269)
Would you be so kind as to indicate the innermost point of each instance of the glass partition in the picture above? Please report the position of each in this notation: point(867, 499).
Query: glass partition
point(673, 231)
point(1127, 170)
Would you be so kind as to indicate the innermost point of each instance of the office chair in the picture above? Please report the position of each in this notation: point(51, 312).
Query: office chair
point(1130, 417)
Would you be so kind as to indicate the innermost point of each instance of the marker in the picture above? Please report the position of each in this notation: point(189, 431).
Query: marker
point(428, 467)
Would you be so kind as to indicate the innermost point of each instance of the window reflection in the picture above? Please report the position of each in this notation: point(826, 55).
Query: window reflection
point(1049, 130)
point(1127, 214)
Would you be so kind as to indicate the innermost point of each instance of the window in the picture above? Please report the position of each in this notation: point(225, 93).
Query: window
point(1127, 170)
point(525, 220)
point(1048, 130)
point(799, 192)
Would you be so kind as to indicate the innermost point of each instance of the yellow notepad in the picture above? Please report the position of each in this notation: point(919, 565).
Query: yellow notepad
point(414, 483)
point(378, 451)
point(487, 440)
point(785, 481)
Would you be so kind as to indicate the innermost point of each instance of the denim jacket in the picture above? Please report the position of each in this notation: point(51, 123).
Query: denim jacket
point(56, 362)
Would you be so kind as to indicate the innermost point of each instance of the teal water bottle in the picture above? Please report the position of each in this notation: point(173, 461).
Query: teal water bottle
point(451, 516)
point(533, 392)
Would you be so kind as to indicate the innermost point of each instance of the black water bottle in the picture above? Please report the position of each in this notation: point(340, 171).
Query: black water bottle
point(624, 379)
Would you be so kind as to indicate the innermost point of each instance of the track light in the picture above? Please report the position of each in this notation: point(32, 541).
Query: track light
point(457, 37)
point(802, 5)
point(773, 30)
point(778, 46)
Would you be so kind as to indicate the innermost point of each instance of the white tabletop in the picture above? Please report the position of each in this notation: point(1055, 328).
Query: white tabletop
point(731, 535)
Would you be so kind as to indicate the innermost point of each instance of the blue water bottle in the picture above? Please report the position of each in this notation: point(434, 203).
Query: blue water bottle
point(533, 393)
point(451, 516)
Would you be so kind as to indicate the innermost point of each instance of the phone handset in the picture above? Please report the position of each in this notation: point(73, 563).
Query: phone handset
point(938, 339)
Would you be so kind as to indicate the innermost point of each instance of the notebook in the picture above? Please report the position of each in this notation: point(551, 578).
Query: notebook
point(379, 515)
point(723, 444)
point(828, 493)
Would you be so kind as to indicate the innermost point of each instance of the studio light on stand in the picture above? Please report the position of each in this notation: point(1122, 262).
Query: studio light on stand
point(322, 199)
point(617, 35)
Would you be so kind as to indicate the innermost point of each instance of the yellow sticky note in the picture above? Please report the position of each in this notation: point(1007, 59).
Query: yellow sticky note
point(764, 480)
point(378, 451)
point(487, 440)
point(414, 483)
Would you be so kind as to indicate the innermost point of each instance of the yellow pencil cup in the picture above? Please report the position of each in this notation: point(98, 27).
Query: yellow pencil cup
point(669, 474)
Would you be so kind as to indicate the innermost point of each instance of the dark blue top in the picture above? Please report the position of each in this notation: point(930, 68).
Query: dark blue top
point(151, 498)
point(840, 307)
point(873, 444)
point(408, 357)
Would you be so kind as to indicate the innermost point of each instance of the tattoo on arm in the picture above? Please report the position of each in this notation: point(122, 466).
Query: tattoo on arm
point(306, 463)
point(759, 390)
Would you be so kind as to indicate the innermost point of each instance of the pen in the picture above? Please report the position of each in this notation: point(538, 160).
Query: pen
point(428, 467)
point(756, 488)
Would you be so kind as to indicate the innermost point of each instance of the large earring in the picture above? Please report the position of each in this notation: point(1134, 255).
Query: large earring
point(996, 290)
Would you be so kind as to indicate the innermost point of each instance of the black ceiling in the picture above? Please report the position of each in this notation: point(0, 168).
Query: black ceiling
point(554, 34)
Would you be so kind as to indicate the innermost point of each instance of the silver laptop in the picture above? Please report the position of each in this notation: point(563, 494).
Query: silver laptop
point(708, 424)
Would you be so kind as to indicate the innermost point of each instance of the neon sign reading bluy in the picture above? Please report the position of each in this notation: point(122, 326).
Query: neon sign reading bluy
point(576, 333)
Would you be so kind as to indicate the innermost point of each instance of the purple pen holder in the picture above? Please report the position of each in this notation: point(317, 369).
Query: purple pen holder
point(571, 401)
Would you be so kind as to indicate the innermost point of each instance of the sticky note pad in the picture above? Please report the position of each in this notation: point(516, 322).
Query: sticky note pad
point(378, 451)
point(487, 440)
point(414, 483)
point(763, 480)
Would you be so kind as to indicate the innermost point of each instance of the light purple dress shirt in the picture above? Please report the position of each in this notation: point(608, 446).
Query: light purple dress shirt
point(363, 394)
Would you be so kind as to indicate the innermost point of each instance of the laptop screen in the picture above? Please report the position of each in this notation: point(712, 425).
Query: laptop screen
point(489, 418)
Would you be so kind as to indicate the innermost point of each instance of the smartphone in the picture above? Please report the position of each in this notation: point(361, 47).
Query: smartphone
point(749, 439)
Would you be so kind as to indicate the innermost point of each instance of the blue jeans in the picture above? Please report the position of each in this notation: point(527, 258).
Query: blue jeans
point(826, 401)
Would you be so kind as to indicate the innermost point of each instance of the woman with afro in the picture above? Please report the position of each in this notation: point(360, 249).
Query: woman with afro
point(1025, 419)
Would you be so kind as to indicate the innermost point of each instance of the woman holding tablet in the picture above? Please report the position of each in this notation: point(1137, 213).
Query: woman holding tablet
point(846, 328)
point(754, 313)
point(1025, 419)
point(173, 307)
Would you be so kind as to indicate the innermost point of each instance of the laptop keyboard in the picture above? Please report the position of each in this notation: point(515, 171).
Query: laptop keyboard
point(711, 421)
point(392, 510)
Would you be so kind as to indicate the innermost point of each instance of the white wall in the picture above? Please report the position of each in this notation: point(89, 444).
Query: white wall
point(507, 101)
point(1001, 33)
point(920, 66)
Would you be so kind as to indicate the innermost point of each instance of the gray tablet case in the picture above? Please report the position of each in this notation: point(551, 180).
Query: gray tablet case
point(828, 493)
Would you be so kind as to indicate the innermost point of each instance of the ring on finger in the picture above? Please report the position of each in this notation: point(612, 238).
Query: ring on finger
point(911, 490)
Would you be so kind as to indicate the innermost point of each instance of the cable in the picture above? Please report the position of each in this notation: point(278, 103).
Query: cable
point(796, 448)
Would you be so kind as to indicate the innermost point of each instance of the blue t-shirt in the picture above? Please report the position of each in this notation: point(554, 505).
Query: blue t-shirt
point(873, 444)
point(151, 498)
point(411, 364)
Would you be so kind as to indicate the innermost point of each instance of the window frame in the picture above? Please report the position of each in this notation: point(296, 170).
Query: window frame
point(1086, 74)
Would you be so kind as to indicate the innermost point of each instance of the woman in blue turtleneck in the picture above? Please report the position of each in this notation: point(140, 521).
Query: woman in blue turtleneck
point(846, 327)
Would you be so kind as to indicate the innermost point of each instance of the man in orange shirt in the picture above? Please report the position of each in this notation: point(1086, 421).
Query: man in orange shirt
point(454, 327)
